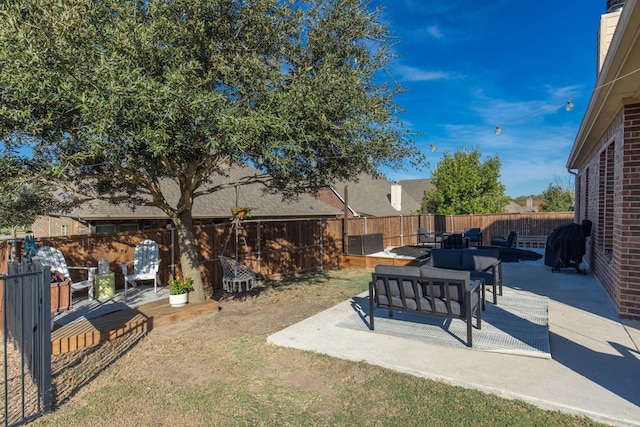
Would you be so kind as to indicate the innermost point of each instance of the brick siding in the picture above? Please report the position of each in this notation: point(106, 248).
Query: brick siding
point(609, 194)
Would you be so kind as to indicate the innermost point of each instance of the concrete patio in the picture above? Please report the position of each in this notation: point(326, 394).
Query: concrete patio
point(595, 365)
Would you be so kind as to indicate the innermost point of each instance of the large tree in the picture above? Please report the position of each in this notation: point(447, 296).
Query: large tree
point(463, 184)
point(121, 95)
point(557, 198)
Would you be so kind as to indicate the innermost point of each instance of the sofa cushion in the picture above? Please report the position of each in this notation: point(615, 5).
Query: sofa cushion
point(398, 270)
point(487, 278)
point(457, 307)
point(478, 259)
point(407, 275)
point(427, 271)
point(434, 279)
point(440, 306)
point(446, 258)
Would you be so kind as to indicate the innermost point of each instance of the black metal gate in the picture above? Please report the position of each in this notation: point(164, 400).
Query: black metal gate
point(26, 315)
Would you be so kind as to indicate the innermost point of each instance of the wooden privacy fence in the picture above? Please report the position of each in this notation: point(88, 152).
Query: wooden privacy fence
point(282, 247)
point(403, 230)
point(271, 248)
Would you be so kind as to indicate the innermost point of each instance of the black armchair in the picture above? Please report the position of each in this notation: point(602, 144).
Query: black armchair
point(474, 235)
point(428, 238)
point(507, 243)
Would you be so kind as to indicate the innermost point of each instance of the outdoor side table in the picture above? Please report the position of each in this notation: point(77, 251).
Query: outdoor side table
point(105, 285)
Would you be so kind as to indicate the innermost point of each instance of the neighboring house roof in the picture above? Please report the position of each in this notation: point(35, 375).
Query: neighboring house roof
point(617, 82)
point(513, 207)
point(416, 187)
point(372, 197)
point(215, 205)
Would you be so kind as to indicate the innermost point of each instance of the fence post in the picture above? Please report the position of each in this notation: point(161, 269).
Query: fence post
point(259, 245)
point(320, 224)
point(46, 324)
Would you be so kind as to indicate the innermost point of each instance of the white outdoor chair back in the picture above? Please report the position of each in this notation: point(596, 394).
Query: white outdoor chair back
point(146, 258)
point(146, 264)
point(54, 259)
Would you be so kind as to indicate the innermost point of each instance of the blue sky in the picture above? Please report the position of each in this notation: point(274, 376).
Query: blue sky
point(470, 65)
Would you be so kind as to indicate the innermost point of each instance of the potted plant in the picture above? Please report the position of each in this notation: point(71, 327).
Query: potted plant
point(240, 211)
point(178, 290)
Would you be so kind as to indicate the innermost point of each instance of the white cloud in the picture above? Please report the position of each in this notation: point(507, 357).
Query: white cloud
point(414, 74)
point(434, 31)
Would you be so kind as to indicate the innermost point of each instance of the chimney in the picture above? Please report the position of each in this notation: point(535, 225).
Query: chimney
point(614, 5)
point(608, 23)
point(396, 196)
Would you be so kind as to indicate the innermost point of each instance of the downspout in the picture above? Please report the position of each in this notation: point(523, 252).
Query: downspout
point(576, 195)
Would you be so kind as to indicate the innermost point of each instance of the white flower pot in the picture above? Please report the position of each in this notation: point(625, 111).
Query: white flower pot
point(178, 300)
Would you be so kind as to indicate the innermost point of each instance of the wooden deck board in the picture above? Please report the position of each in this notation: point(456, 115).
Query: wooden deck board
point(87, 333)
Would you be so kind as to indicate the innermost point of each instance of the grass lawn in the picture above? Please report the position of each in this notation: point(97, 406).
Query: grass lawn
point(217, 370)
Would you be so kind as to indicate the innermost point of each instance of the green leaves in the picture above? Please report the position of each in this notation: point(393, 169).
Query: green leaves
point(557, 198)
point(120, 96)
point(24, 195)
point(158, 84)
point(465, 185)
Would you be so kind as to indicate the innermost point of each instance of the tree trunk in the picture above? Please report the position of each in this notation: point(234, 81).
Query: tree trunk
point(189, 255)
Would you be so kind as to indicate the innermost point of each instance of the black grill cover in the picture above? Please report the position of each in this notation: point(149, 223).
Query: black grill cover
point(566, 244)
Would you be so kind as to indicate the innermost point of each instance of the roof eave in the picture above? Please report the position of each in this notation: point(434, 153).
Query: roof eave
point(612, 90)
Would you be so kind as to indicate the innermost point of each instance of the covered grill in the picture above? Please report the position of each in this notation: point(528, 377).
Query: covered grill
point(566, 245)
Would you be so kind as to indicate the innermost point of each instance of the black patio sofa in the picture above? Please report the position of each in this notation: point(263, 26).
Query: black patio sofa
point(482, 264)
point(426, 290)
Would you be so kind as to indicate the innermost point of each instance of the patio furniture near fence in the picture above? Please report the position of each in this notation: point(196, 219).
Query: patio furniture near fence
point(428, 238)
point(453, 241)
point(146, 264)
point(474, 235)
point(236, 277)
point(509, 242)
point(54, 259)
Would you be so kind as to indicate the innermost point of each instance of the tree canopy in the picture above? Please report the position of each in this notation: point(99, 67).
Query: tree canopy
point(557, 198)
point(463, 184)
point(117, 96)
point(23, 197)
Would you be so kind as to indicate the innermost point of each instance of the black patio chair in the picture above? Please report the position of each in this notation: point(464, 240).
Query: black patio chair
point(454, 241)
point(474, 235)
point(428, 238)
point(509, 242)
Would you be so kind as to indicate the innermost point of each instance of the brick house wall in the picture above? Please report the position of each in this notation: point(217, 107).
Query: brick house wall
point(54, 226)
point(608, 194)
point(327, 196)
point(50, 226)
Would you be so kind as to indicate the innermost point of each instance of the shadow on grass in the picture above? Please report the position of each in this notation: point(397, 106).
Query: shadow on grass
point(72, 371)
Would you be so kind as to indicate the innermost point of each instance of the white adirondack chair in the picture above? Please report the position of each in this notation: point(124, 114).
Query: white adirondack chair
point(145, 265)
point(54, 259)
